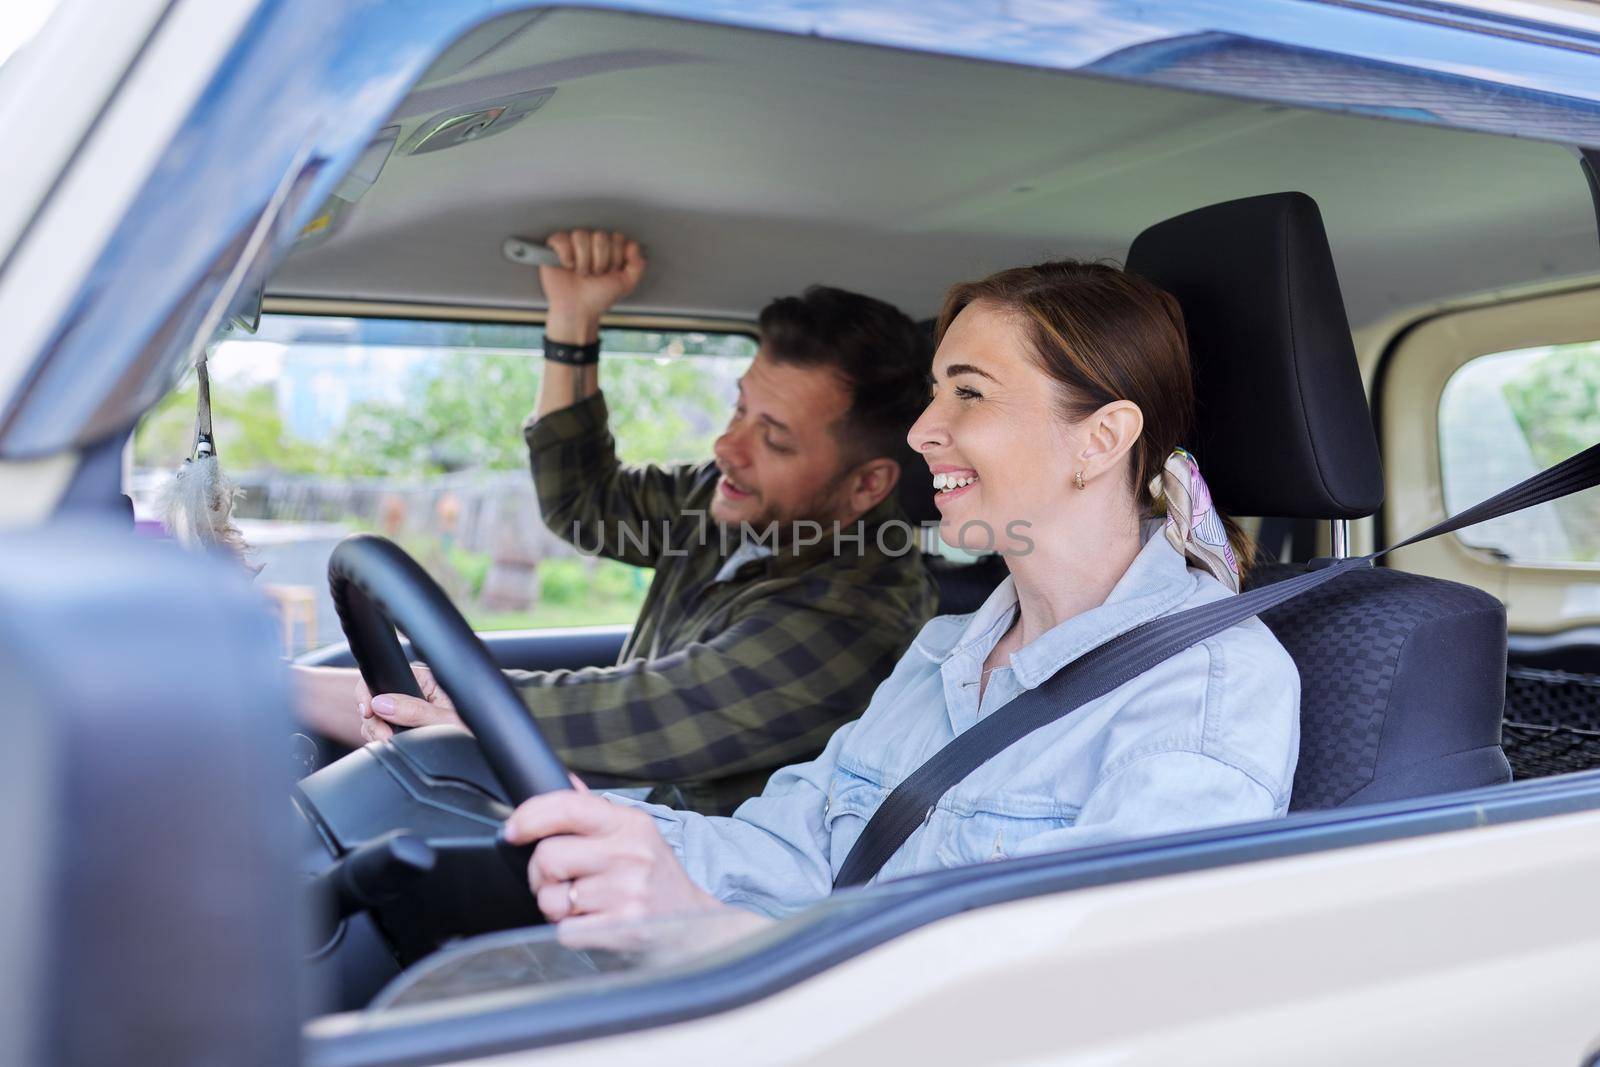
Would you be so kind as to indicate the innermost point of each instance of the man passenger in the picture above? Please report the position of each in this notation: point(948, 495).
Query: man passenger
point(762, 631)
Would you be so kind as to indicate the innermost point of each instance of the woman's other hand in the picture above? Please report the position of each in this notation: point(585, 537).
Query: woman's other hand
point(597, 862)
point(381, 713)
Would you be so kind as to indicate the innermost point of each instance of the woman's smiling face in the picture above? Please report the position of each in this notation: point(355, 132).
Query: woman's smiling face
point(992, 435)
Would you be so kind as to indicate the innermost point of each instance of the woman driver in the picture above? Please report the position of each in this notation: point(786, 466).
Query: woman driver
point(1060, 393)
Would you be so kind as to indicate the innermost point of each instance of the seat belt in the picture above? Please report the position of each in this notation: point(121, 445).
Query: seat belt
point(1126, 656)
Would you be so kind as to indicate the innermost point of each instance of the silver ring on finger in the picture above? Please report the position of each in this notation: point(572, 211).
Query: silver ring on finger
point(572, 898)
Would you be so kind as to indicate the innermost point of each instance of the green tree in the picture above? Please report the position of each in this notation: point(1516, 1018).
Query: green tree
point(464, 410)
point(668, 412)
point(1557, 402)
point(246, 425)
point(467, 414)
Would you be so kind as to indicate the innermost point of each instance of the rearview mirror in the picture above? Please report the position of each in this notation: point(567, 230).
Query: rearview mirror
point(246, 313)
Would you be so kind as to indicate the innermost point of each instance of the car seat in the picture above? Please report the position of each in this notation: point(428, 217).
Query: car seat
point(1402, 677)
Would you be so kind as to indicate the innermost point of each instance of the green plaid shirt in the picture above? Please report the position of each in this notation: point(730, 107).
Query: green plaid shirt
point(720, 683)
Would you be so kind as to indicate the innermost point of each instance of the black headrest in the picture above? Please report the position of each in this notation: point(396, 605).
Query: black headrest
point(916, 489)
point(1282, 426)
point(916, 480)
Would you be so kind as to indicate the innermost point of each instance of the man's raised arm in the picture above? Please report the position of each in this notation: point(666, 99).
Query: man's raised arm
point(597, 269)
point(586, 495)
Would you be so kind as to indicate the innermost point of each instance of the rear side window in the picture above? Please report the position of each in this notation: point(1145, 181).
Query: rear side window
point(413, 430)
point(1505, 416)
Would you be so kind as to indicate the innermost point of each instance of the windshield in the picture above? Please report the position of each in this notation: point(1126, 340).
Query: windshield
point(411, 428)
point(527, 967)
point(542, 962)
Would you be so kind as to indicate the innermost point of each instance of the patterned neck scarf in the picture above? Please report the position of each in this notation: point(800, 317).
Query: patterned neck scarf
point(1193, 526)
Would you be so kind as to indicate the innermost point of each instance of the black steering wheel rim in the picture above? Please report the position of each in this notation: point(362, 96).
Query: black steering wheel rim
point(377, 588)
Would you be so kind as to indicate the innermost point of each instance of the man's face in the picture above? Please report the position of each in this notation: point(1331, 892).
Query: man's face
point(779, 458)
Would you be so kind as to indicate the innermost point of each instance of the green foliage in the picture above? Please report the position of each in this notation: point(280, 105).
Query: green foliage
point(467, 415)
point(463, 410)
point(678, 344)
point(248, 430)
point(663, 412)
point(473, 567)
point(568, 581)
point(575, 591)
point(562, 581)
point(545, 616)
point(1557, 402)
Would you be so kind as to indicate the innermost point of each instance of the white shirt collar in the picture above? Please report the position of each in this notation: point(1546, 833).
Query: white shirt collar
point(747, 551)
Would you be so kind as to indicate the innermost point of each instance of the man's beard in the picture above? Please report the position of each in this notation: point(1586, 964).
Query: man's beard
point(826, 506)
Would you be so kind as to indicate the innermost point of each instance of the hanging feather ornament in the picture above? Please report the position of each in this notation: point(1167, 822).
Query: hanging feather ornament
point(196, 504)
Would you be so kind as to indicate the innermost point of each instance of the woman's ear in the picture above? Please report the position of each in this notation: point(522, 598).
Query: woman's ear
point(1111, 433)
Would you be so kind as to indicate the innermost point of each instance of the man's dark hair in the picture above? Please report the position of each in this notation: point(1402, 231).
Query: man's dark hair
point(881, 355)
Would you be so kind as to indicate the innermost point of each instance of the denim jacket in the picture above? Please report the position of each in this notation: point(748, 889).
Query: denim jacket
point(1208, 737)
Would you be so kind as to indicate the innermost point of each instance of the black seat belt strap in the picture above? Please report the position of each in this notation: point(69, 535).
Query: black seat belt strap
point(1126, 656)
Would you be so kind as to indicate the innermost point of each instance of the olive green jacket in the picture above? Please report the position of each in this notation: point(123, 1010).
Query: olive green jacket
point(720, 682)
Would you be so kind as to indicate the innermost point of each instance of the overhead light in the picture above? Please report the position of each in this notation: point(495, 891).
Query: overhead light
point(475, 122)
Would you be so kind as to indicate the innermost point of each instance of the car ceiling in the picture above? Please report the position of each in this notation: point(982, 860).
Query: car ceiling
point(751, 165)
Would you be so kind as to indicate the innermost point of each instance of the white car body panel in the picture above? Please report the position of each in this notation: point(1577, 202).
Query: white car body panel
point(1473, 947)
point(50, 95)
point(120, 151)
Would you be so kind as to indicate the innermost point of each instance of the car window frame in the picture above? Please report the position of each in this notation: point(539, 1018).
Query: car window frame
point(1408, 384)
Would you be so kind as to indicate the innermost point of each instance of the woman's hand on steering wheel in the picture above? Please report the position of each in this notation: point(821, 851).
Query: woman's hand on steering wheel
point(380, 713)
point(597, 862)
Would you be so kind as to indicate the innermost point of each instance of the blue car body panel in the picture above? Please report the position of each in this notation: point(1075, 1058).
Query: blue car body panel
point(310, 81)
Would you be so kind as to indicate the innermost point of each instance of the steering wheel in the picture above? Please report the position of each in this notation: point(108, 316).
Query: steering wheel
point(400, 840)
point(377, 587)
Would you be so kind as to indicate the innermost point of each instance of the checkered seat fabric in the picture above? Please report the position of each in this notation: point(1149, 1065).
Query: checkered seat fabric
point(1401, 683)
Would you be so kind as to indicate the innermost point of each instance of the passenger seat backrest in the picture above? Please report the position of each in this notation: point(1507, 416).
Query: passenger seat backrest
point(1402, 681)
point(1402, 677)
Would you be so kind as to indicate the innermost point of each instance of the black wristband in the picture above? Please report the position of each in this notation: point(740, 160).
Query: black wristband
point(572, 355)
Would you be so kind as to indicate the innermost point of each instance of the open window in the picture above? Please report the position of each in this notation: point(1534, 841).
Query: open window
point(337, 424)
point(1471, 402)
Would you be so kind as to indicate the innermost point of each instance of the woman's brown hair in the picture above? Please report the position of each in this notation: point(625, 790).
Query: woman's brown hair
point(1103, 335)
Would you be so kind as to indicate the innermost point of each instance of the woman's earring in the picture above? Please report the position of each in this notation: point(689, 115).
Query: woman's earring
point(1079, 479)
